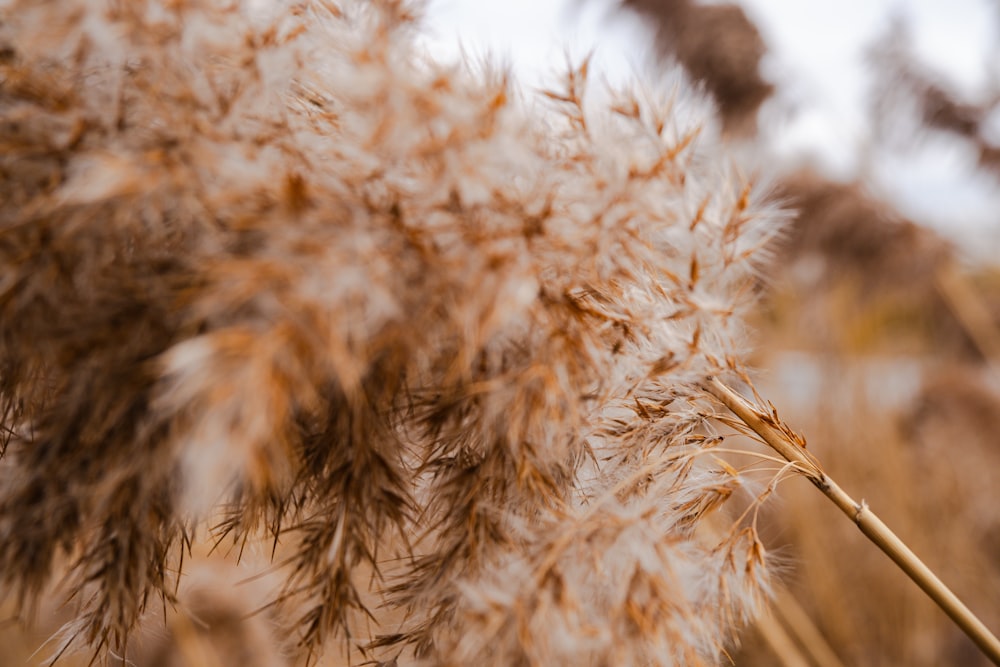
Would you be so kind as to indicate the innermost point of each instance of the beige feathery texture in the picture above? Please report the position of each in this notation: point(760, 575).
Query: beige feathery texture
point(440, 343)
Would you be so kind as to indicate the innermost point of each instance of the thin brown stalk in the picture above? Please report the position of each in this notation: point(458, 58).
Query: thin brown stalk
point(791, 446)
point(782, 645)
point(971, 312)
point(791, 614)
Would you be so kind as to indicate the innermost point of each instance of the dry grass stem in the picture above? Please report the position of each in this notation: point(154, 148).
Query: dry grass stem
point(780, 642)
point(970, 311)
point(792, 446)
point(791, 614)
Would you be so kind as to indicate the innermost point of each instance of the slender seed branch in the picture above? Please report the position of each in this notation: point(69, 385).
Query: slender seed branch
point(779, 437)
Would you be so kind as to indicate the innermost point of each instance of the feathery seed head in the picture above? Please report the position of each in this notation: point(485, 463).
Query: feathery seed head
point(441, 346)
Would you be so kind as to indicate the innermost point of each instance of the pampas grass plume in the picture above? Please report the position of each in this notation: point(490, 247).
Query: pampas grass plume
point(271, 278)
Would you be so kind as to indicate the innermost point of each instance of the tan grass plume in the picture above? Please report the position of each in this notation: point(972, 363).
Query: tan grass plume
point(437, 347)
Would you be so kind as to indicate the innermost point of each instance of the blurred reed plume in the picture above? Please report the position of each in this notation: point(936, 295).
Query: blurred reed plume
point(436, 348)
point(720, 47)
point(911, 99)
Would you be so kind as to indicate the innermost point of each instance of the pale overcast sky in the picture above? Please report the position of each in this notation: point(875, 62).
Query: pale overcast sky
point(816, 55)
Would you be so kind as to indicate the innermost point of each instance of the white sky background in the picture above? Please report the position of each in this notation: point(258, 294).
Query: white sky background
point(816, 57)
